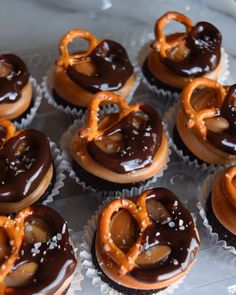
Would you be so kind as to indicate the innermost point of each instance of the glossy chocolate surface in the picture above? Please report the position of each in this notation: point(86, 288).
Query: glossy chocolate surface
point(11, 85)
point(112, 64)
point(204, 42)
point(24, 161)
point(226, 141)
point(140, 142)
point(55, 257)
point(177, 232)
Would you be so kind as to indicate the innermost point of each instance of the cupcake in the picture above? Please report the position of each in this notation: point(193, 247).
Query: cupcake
point(174, 60)
point(120, 150)
point(141, 246)
point(36, 254)
point(77, 77)
point(16, 90)
point(206, 122)
point(26, 170)
point(219, 206)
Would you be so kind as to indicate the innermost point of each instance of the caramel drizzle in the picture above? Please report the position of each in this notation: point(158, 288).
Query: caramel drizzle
point(225, 140)
point(12, 85)
point(24, 160)
point(178, 233)
point(202, 40)
point(109, 58)
point(140, 143)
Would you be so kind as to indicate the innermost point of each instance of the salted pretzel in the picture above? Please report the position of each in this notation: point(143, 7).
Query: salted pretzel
point(196, 118)
point(91, 131)
point(126, 261)
point(194, 53)
point(9, 129)
point(35, 235)
point(66, 58)
point(14, 230)
point(161, 43)
point(137, 240)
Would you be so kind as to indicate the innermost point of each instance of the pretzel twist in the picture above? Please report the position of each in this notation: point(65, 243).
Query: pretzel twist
point(161, 44)
point(90, 131)
point(196, 119)
point(66, 58)
point(126, 262)
point(9, 127)
point(14, 229)
point(229, 183)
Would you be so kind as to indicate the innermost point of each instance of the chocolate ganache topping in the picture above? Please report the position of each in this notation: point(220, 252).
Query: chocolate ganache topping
point(24, 161)
point(16, 78)
point(45, 245)
point(112, 64)
point(139, 135)
point(204, 43)
point(172, 227)
point(226, 140)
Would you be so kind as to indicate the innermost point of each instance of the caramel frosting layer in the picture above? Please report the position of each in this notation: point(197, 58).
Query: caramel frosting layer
point(125, 147)
point(206, 121)
point(44, 243)
point(13, 78)
point(223, 198)
point(147, 244)
point(25, 160)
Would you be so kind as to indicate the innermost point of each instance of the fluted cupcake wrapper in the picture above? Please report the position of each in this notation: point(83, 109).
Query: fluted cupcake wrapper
point(172, 97)
point(59, 166)
point(36, 99)
point(47, 87)
point(87, 261)
point(65, 145)
point(203, 196)
point(75, 285)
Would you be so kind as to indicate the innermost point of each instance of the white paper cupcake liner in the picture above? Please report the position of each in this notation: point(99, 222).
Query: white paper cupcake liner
point(75, 285)
point(203, 196)
point(59, 169)
point(36, 98)
point(90, 270)
point(47, 86)
point(65, 145)
point(172, 97)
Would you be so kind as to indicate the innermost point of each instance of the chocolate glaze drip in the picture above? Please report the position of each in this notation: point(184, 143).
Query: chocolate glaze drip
point(12, 85)
point(55, 258)
point(112, 64)
point(226, 141)
point(204, 42)
point(24, 161)
point(178, 233)
point(140, 143)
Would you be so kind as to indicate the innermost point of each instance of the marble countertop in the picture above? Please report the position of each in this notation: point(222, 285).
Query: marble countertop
point(32, 28)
